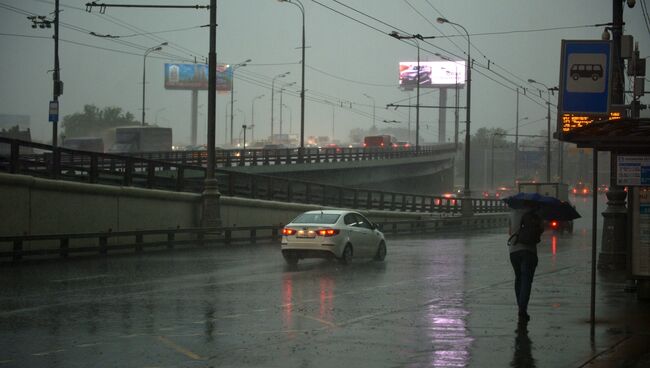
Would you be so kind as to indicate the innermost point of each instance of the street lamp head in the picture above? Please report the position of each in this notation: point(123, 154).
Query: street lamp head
point(164, 43)
point(394, 34)
point(157, 49)
point(442, 20)
point(532, 81)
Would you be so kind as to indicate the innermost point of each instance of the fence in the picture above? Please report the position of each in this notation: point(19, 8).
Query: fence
point(101, 168)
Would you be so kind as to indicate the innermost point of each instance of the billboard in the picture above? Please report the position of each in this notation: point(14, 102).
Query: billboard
point(433, 74)
point(195, 76)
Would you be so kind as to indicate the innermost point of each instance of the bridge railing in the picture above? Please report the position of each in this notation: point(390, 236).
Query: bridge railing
point(42, 160)
point(288, 156)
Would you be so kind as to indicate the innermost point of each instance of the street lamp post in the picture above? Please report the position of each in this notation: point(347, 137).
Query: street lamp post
point(272, 99)
point(253, 116)
point(548, 127)
point(281, 93)
point(468, 107)
point(415, 38)
point(302, 89)
point(517, 141)
point(290, 118)
point(374, 108)
point(144, 73)
point(232, 94)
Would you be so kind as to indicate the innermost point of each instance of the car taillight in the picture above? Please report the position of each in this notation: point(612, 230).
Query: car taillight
point(554, 224)
point(575, 191)
point(585, 191)
point(328, 232)
point(287, 231)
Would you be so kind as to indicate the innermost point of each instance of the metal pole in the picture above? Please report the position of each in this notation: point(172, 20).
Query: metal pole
point(144, 71)
point(417, 105)
point(55, 76)
point(302, 91)
point(232, 94)
point(194, 113)
point(594, 238)
point(212, 97)
point(492, 164)
point(468, 137)
point(548, 139)
point(517, 139)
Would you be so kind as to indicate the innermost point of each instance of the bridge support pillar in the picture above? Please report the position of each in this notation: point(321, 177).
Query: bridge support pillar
point(211, 215)
point(466, 207)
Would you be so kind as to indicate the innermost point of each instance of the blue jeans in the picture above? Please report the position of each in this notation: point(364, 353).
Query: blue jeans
point(524, 264)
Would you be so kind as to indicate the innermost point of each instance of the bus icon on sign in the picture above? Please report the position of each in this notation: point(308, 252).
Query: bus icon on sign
point(593, 71)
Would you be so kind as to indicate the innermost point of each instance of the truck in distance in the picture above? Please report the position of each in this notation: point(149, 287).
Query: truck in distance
point(142, 139)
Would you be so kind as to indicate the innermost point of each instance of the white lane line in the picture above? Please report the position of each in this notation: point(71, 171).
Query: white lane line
point(82, 278)
point(49, 352)
point(179, 349)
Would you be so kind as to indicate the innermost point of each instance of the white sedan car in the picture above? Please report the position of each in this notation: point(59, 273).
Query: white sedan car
point(332, 234)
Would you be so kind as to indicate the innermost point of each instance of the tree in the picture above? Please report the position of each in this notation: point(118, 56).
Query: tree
point(93, 122)
point(484, 136)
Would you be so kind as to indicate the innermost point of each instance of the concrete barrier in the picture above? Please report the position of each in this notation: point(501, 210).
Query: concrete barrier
point(33, 206)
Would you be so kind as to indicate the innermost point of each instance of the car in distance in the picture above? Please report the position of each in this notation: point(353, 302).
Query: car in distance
point(339, 234)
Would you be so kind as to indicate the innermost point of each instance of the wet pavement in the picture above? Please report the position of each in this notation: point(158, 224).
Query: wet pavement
point(440, 300)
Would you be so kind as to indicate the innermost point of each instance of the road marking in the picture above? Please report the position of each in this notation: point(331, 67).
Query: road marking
point(49, 352)
point(5, 361)
point(87, 345)
point(179, 348)
point(327, 323)
point(81, 278)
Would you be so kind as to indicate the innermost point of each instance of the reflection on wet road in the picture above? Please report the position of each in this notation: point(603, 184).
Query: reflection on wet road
point(440, 300)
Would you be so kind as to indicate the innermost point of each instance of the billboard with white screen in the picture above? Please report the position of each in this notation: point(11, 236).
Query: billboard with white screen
point(433, 74)
point(195, 76)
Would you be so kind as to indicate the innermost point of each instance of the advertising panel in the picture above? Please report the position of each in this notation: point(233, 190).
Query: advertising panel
point(585, 79)
point(195, 76)
point(641, 232)
point(633, 170)
point(432, 74)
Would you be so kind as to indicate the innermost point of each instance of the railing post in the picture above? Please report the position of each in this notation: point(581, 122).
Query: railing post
point(15, 157)
point(355, 199)
point(403, 203)
point(289, 191)
point(138, 243)
point(103, 245)
point(269, 188)
point(63, 247)
point(254, 158)
point(413, 203)
point(324, 199)
point(308, 193)
point(242, 157)
point(56, 162)
point(180, 178)
point(392, 201)
point(151, 174)
point(171, 236)
point(128, 171)
point(94, 169)
point(253, 236)
point(266, 157)
point(341, 198)
point(369, 200)
point(18, 250)
point(274, 234)
point(381, 200)
point(228, 159)
point(228, 236)
point(253, 186)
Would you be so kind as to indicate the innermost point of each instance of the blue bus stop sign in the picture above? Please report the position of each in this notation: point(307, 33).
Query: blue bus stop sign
point(585, 77)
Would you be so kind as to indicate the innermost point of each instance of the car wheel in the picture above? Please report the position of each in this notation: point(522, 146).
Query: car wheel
point(594, 77)
point(381, 252)
point(346, 257)
point(291, 258)
point(575, 76)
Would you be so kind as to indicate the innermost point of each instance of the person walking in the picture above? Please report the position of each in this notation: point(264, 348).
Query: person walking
point(526, 227)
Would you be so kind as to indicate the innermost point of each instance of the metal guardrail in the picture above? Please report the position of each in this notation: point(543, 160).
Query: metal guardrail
point(100, 168)
point(140, 240)
point(136, 240)
point(288, 156)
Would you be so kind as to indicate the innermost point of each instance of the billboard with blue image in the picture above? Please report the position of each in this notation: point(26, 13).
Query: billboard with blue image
point(195, 76)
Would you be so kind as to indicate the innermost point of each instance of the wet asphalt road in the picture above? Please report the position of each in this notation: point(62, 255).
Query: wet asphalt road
point(439, 300)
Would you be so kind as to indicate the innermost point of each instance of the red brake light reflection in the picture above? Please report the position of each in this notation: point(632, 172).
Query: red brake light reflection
point(328, 232)
point(287, 231)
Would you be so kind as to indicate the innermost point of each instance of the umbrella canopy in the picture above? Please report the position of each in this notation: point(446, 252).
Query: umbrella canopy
point(549, 208)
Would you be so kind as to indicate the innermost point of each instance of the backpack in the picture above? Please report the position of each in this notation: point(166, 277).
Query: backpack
point(530, 229)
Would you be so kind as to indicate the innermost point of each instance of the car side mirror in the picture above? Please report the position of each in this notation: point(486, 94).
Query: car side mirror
point(377, 226)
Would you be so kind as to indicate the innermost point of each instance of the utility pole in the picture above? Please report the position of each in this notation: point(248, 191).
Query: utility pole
point(613, 253)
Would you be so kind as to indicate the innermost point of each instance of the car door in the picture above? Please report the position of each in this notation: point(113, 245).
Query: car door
point(355, 233)
point(367, 241)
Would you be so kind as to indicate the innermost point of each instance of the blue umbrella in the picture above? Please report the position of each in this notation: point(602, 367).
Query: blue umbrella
point(549, 208)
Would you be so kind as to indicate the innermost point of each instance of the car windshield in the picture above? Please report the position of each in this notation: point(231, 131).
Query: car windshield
point(316, 218)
